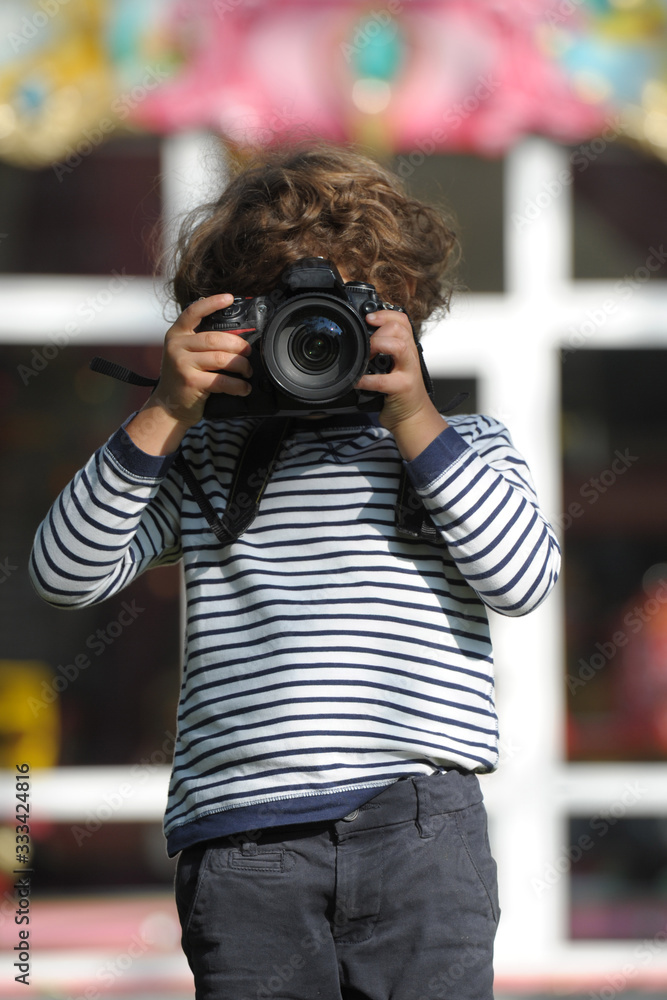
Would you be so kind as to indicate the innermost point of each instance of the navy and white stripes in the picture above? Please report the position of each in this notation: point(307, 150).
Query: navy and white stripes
point(325, 653)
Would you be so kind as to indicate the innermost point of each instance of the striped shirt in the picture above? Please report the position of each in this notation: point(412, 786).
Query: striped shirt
point(326, 655)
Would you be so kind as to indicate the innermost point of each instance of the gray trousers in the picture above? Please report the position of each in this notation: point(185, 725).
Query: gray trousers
point(398, 901)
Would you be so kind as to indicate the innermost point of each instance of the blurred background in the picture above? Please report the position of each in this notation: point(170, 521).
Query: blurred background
point(544, 126)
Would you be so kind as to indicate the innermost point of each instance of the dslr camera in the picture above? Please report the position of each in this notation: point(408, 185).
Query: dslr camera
point(311, 344)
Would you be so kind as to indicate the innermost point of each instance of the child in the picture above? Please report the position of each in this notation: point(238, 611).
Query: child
point(337, 695)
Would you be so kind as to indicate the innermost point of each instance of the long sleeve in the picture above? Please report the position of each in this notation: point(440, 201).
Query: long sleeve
point(480, 497)
point(117, 517)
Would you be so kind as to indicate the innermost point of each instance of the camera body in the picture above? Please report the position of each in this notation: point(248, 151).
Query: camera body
point(311, 345)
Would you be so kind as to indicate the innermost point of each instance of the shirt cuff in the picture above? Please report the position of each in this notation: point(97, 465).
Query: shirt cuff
point(442, 452)
point(134, 460)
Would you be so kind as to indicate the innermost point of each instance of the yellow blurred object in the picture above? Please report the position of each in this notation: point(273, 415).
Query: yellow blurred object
point(646, 123)
point(29, 714)
point(60, 83)
point(632, 21)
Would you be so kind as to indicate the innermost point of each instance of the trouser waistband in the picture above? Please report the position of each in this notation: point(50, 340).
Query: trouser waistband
point(417, 799)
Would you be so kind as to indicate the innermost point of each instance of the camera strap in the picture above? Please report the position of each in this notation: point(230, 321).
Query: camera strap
point(255, 465)
point(251, 474)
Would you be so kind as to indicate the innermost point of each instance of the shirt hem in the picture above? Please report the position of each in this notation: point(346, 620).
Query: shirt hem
point(309, 808)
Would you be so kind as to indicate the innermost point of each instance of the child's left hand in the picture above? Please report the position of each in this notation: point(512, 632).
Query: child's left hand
point(408, 411)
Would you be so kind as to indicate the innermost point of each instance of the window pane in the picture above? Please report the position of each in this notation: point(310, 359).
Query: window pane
point(618, 878)
point(94, 217)
point(446, 389)
point(614, 525)
point(472, 187)
point(620, 206)
point(97, 854)
point(97, 685)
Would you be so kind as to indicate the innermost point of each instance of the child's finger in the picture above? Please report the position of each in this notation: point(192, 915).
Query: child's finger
point(196, 311)
point(221, 360)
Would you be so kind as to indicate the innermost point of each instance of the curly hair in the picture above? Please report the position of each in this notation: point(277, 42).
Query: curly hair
point(317, 200)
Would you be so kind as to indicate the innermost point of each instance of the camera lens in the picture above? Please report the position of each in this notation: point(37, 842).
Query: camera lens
point(315, 345)
point(316, 348)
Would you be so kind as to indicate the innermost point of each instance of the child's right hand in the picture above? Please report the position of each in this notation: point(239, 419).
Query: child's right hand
point(193, 366)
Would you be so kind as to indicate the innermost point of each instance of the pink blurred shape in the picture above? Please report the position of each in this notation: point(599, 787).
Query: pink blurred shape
point(476, 74)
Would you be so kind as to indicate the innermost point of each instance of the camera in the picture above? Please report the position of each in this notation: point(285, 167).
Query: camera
point(311, 345)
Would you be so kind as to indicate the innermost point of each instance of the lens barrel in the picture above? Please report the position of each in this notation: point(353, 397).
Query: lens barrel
point(316, 348)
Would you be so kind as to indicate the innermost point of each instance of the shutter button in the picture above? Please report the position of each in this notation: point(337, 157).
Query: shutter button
point(351, 816)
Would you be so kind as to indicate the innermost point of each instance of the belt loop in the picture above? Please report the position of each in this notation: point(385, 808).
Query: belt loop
point(423, 793)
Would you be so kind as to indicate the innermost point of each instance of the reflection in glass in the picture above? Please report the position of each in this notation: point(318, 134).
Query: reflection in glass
point(614, 528)
point(618, 876)
point(98, 685)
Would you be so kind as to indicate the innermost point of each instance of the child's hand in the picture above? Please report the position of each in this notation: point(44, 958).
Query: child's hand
point(408, 411)
point(191, 362)
point(193, 366)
